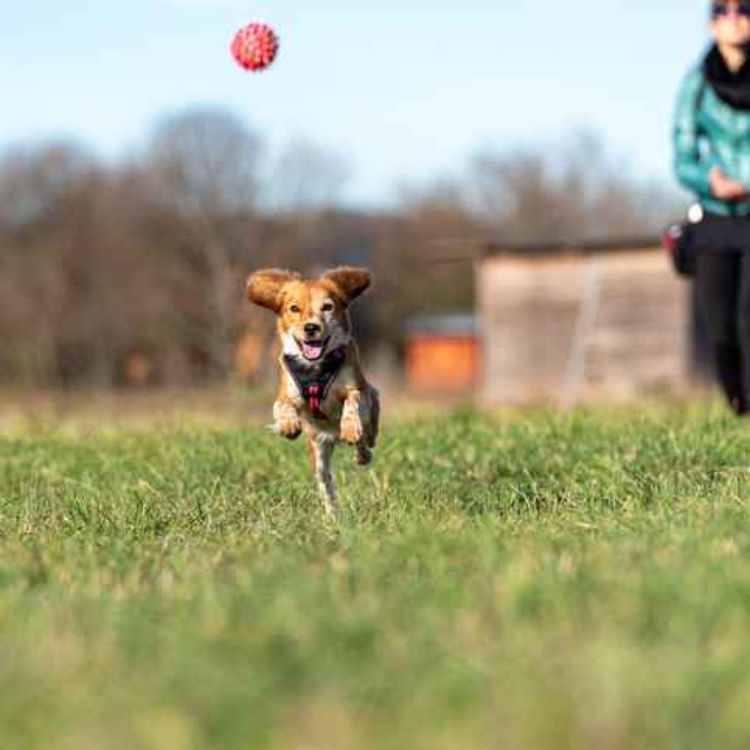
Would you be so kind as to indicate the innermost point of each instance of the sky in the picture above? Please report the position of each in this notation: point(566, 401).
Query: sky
point(408, 91)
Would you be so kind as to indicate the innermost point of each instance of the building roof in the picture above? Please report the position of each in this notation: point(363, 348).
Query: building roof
point(583, 247)
point(449, 324)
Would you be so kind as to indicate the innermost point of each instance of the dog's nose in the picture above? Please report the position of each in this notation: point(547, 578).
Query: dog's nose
point(312, 328)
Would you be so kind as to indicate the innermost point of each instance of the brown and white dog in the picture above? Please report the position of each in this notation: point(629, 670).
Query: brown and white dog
point(322, 389)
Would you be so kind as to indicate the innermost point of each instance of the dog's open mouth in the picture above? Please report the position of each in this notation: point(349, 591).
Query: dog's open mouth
point(312, 350)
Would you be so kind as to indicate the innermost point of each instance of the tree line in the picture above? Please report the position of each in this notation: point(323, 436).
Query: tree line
point(133, 272)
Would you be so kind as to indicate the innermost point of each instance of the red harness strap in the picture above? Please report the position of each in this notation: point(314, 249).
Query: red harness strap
point(314, 379)
point(313, 400)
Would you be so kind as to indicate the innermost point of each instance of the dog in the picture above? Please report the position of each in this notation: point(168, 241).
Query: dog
point(322, 390)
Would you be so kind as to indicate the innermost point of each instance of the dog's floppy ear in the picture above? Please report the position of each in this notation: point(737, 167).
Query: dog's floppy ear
point(264, 287)
point(348, 282)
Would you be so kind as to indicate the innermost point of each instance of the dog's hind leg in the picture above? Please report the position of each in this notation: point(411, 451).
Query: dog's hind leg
point(373, 426)
point(371, 421)
point(321, 451)
point(364, 454)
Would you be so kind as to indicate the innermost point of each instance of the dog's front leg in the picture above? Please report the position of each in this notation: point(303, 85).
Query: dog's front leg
point(351, 430)
point(286, 419)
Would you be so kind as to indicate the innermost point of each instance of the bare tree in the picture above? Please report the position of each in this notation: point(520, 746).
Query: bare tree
point(110, 269)
point(41, 263)
point(35, 178)
point(308, 177)
point(208, 163)
point(205, 165)
point(579, 192)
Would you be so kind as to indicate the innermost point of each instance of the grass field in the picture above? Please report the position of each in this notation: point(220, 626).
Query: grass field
point(525, 581)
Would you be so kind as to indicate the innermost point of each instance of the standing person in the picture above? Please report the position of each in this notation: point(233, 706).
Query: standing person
point(712, 159)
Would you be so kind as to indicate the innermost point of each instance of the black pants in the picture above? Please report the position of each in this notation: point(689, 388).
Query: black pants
point(722, 287)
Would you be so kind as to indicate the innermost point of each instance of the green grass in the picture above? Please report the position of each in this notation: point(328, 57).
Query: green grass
point(522, 582)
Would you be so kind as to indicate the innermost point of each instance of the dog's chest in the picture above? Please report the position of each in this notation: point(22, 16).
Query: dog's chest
point(329, 413)
point(312, 386)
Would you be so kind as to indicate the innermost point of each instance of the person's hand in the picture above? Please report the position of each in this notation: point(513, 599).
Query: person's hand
point(725, 188)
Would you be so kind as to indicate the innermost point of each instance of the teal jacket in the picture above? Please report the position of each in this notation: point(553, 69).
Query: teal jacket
point(708, 133)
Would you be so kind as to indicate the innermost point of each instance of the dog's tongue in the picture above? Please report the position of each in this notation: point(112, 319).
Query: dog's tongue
point(312, 351)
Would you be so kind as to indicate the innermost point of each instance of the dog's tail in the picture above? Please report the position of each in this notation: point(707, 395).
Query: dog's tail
point(321, 451)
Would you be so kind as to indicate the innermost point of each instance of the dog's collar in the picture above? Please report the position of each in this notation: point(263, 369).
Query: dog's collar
point(314, 378)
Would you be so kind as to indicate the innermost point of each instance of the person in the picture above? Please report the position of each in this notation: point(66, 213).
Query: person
point(712, 159)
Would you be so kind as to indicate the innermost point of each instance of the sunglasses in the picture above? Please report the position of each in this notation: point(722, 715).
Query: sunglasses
point(719, 10)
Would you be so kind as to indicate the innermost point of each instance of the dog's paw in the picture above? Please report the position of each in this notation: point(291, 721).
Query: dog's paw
point(289, 427)
point(286, 420)
point(351, 430)
point(364, 455)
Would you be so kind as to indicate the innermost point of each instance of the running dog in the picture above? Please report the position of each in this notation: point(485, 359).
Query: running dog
point(322, 389)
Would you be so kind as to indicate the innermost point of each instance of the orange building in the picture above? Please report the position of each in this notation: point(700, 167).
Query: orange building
point(442, 354)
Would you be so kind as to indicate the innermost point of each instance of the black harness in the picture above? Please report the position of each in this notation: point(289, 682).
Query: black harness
point(314, 378)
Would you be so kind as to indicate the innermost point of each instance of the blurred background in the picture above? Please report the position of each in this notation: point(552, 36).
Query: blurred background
point(504, 172)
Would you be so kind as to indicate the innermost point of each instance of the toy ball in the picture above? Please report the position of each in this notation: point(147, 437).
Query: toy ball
point(254, 46)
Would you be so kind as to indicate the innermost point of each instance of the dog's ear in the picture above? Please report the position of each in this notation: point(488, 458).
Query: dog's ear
point(264, 287)
point(347, 281)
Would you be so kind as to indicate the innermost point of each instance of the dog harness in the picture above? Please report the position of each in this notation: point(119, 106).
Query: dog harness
point(314, 378)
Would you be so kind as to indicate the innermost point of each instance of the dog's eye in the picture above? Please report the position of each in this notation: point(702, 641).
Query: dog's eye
point(327, 307)
point(294, 308)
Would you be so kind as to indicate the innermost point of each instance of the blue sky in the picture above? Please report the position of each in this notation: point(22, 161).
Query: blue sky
point(407, 90)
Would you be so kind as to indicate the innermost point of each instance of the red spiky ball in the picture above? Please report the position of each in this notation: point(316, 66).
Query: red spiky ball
point(254, 46)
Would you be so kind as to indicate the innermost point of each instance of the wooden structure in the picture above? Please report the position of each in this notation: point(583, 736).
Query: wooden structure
point(442, 354)
point(566, 323)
